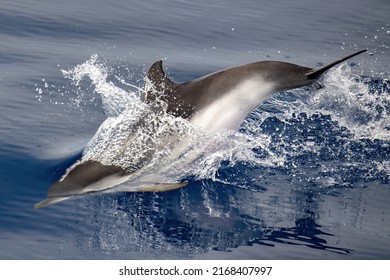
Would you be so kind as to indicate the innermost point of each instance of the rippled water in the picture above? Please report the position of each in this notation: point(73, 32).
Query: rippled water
point(306, 176)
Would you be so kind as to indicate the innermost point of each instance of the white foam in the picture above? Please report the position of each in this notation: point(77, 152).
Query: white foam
point(349, 101)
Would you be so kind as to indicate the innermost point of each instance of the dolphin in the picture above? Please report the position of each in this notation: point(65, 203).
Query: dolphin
point(220, 100)
point(223, 99)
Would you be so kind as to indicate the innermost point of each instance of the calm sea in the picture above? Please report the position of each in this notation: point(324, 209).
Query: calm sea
point(307, 175)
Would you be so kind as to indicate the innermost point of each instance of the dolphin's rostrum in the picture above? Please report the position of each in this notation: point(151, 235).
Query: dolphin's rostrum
point(220, 100)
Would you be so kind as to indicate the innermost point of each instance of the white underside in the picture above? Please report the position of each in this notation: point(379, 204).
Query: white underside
point(229, 111)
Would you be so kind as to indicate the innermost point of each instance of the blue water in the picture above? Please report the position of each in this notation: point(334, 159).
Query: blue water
point(307, 175)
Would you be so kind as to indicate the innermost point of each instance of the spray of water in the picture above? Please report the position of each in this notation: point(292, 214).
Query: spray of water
point(327, 126)
point(137, 136)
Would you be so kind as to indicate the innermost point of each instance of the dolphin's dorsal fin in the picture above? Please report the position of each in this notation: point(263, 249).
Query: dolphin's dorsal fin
point(315, 73)
point(160, 83)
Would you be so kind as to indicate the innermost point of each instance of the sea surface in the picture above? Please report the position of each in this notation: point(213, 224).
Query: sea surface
point(306, 176)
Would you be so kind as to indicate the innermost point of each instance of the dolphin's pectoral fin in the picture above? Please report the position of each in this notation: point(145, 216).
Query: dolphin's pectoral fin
point(160, 82)
point(161, 187)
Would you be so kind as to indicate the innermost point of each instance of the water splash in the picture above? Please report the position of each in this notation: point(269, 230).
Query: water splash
point(355, 104)
point(137, 136)
point(334, 134)
point(114, 99)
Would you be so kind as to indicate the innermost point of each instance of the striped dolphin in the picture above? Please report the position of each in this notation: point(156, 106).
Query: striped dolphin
point(220, 100)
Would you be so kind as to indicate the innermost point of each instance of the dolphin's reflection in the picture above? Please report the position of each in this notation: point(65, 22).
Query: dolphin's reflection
point(204, 216)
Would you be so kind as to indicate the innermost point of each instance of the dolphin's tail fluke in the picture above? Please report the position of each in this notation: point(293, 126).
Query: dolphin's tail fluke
point(315, 73)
